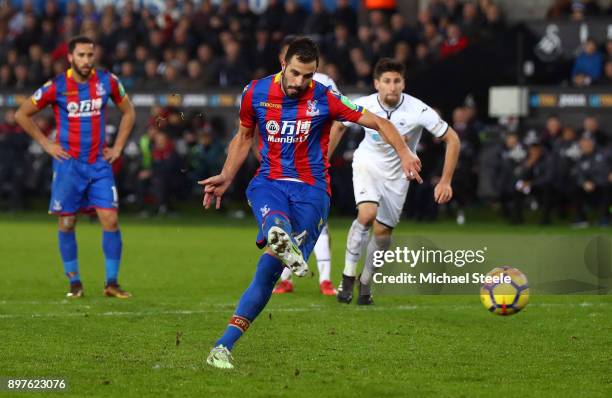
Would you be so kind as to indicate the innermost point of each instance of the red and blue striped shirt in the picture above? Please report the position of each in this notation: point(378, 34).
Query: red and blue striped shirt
point(294, 132)
point(80, 110)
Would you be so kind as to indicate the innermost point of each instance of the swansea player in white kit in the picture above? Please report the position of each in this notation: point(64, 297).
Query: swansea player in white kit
point(378, 180)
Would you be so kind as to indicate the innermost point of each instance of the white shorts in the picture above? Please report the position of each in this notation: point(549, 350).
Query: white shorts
point(370, 185)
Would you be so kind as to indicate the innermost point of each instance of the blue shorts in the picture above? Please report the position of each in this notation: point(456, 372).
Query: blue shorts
point(305, 206)
point(78, 186)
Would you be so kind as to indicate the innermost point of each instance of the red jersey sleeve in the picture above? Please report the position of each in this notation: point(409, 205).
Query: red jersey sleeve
point(247, 112)
point(342, 109)
point(117, 91)
point(45, 95)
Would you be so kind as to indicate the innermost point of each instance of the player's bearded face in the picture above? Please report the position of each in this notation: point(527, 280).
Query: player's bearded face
point(297, 76)
point(390, 86)
point(82, 59)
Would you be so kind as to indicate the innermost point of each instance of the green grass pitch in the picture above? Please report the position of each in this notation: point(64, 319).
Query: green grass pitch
point(186, 276)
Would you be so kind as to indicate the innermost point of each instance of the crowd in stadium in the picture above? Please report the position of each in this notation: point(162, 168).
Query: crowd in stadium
point(561, 169)
point(191, 46)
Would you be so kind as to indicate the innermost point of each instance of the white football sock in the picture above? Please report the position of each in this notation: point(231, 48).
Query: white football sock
point(323, 255)
point(355, 242)
point(377, 243)
point(286, 275)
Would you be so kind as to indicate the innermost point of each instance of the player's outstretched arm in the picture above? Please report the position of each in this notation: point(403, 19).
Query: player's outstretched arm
point(128, 117)
point(215, 187)
point(335, 136)
point(443, 191)
point(23, 116)
point(411, 164)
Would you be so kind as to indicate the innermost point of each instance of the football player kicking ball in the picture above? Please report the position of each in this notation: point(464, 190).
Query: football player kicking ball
point(289, 195)
point(82, 175)
point(379, 182)
point(321, 250)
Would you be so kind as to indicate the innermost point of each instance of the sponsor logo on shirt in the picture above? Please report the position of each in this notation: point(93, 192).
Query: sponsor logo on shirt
point(289, 131)
point(270, 105)
point(85, 108)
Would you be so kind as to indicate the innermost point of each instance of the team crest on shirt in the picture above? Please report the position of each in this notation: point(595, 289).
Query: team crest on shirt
point(100, 91)
point(312, 109)
point(272, 127)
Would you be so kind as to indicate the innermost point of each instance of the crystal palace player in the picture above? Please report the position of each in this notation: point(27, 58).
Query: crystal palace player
point(82, 175)
point(289, 195)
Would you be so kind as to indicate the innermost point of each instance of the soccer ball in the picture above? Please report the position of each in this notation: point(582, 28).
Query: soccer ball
point(504, 298)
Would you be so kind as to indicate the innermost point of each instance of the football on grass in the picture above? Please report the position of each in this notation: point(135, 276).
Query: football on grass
point(506, 292)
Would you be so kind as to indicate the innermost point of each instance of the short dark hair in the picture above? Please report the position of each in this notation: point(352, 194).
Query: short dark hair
point(388, 65)
point(79, 40)
point(304, 49)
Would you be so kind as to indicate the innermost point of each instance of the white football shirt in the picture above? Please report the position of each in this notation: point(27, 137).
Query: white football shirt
point(410, 116)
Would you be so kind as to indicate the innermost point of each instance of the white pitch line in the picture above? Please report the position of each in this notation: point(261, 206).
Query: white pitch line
point(281, 309)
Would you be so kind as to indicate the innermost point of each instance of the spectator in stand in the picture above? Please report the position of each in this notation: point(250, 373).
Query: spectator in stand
point(535, 177)
point(247, 18)
point(591, 8)
point(455, 41)
point(433, 39)
point(494, 24)
point(566, 153)
point(164, 166)
point(345, 15)
point(401, 30)
point(151, 79)
point(210, 65)
point(128, 77)
point(471, 24)
point(293, 18)
point(588, 65)
point(318, 22)
point(143, 179)
point(592, 187)
point(22, 80)
point(195, 77)
point(577, 12)
point(606, 79)
point(403, 54)
point(338, 51)
point(559, 9)
point(48, 36)
point(233, 70)
point(591, 129)
point(13, 147)
point(464, 181)
point(383, 46)
point(6, 76)
point(453, 10)
point(511, 155)
point(552, 132)
point(262, 54)
point(423, 59)
point(608, 49)
point(272, 18)
point(207, 156)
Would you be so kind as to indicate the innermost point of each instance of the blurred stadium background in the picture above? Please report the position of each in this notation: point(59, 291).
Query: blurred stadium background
point(526, 84)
